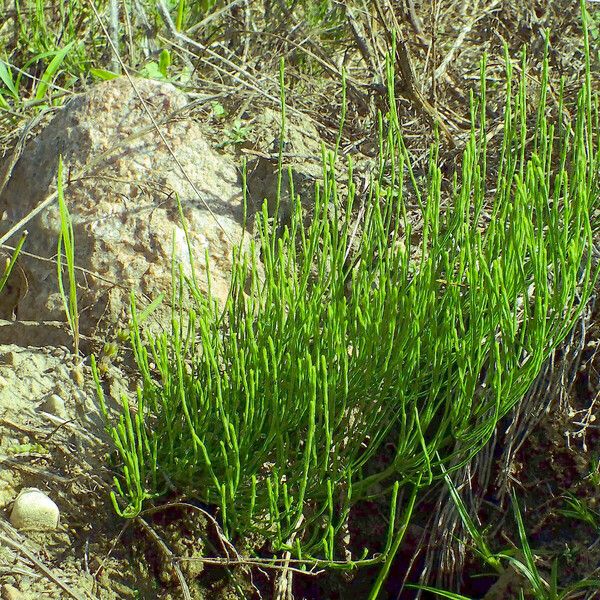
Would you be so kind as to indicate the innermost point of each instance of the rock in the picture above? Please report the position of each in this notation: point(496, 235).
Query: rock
point(262, 181)
point(33, 510)
point(55, 405)
point(10, 592)
point(35, 333)
point(302, 157)
point(121, 184)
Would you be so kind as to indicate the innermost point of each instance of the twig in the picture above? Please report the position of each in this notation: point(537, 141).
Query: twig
point(247, 19)
point(35, 470)
point(252, 82)
point(213, 15)
point(227, 546)
point(138, 10)
point(113, 29)
point(283, 583)
point(111, 549)
point(409, 88)
point(265, 563)
point(415, 20)
point(434, 22)
point(129, 32)
point(458, 42)
point(169, 554)
point(363, 46)
point(317, 54)
point(20, 548)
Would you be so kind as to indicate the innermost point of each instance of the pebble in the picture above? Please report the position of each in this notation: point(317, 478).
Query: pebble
point(55, 405)
point(10, 592)
point(33, 510)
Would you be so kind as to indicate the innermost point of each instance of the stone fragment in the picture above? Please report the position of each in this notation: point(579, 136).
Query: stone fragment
point(10, 592)
point(55, 405)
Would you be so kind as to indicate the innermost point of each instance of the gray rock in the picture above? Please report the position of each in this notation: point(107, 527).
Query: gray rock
point(121, 191)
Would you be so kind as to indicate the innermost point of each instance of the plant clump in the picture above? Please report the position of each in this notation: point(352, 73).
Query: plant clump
point(357, 336)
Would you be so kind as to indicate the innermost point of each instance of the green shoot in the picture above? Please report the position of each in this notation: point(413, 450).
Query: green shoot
point(578, 509)
point(51, 71)
point(481, 546)
point(10, 262)
point(522, 560)
point(66, 240)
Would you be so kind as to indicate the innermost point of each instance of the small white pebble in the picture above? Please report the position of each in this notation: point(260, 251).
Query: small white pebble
point(33, 510)
point(54, 405)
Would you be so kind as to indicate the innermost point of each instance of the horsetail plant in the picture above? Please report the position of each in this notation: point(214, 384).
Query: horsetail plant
point(273, 410)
